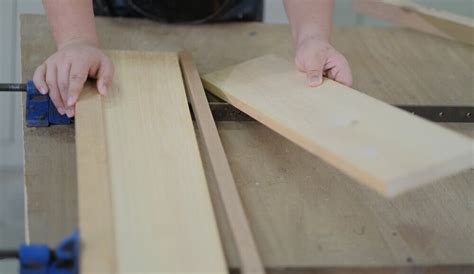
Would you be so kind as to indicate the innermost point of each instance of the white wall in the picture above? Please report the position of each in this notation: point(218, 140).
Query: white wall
point(11, 142)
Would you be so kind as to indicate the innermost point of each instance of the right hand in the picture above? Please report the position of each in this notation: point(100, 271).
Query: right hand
point(64, 73)
point(317, 58)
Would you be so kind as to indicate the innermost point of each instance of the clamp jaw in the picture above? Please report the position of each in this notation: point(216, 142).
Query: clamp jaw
point(39, 259)
point(40, 110)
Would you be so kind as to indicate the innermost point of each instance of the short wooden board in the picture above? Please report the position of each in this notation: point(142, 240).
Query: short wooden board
point(383, 147)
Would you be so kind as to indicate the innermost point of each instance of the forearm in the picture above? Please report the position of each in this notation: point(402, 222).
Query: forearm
point(310, 18)
point(71, 20)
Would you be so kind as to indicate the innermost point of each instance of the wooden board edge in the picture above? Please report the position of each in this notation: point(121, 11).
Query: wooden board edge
point(433, 12)
point(456, 30)
point(428, 175)
point(411, 15)
point(96, 222)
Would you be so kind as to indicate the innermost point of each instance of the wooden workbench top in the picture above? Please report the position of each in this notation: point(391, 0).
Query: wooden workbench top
point(302, 211)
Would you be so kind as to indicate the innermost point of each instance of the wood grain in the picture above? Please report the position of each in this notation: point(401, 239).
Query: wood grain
point(96, 223)
point(248, 254)
point(163, 220)
point(373, 142)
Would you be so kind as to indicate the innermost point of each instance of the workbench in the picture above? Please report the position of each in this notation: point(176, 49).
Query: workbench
point(304, 213)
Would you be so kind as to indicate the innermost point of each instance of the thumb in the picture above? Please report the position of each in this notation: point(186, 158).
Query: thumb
point(104, 76)
point(314, 71)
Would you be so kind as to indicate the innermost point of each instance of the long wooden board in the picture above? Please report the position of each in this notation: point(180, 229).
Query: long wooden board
point(162, 220)
point(383, 147)
point(412, 15)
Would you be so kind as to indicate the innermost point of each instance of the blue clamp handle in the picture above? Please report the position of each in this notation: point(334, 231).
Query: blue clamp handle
point(40, 110)
point(39, 259)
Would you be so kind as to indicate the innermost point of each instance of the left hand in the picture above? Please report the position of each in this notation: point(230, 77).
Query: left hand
point(317, 58)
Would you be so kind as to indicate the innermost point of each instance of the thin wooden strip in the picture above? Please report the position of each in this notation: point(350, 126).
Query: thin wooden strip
point(412, 15)
point(242, 234)
point(379, 145)
point(96, 222)
point(163, 218)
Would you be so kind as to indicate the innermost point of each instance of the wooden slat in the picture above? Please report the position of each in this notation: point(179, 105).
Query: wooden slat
point(412, 15)
point(381, 146)
point(163, 220)
point(243, 239)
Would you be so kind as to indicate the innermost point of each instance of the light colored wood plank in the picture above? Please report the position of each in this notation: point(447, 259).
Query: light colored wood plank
point(412, 15)
point(94, 188)
point(163, 220)
point(379, 145)
point(248, 254)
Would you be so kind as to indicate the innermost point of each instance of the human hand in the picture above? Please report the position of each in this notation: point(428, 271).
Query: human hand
point(317, 58)
point(64, 73)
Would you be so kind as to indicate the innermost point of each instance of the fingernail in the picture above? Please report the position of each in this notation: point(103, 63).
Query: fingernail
point(315, 81)
point(103, 89)
point(61, 111)
point(43, 90)
point(69, 113)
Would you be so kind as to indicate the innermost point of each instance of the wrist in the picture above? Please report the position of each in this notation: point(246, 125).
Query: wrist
point(311, 38)
point(78, 40)
point(311, 32)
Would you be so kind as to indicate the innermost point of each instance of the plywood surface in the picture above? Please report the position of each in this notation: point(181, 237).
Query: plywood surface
point(303, 212)
point(298, 201)
point(149, 164)
point(379, 145)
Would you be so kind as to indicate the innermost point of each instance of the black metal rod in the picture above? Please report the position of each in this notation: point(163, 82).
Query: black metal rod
point(9, 254)
point(223, 111)
point(12, 87)
point(442, 114)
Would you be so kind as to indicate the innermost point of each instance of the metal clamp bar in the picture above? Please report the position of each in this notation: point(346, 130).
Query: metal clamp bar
point(12, 87)
point(442, 114)
point(223, 111)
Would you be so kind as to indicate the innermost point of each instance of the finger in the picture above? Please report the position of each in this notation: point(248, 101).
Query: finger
point(299, 64)
point(51, 81)
point(344, 76)
point(314, 70)
point(77, 78)
point(39, 79)
point(105, 76)
point(340, 72)
point(63, 85)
